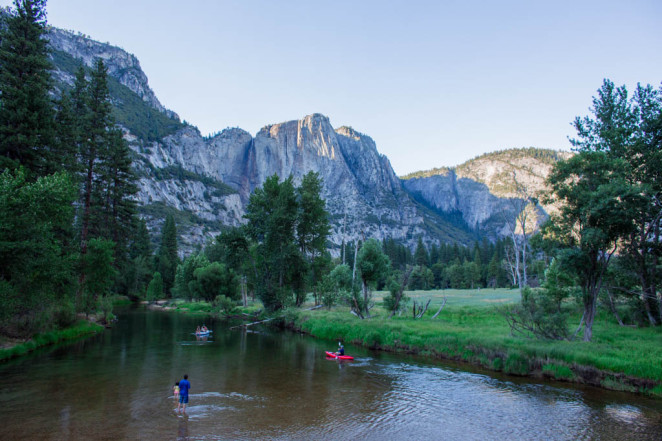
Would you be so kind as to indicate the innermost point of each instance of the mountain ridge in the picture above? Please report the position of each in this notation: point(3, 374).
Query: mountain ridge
point(207, 180)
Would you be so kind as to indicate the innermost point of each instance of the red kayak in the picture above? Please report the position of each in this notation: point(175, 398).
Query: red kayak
point(339, 357)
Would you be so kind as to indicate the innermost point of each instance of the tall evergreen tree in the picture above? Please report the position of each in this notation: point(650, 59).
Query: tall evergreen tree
point(94, 147)
point(26, 109)
point(421, 257)
point(66, 140)
point(117, 182)
point(168, 258)
point(312, 227)
point(272, 214)
point(141, 245)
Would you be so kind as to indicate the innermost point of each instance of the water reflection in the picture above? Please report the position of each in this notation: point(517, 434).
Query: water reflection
point(267, 385)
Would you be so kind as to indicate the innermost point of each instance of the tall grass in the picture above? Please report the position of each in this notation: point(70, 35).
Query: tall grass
point(471, 329)
point(80, 329)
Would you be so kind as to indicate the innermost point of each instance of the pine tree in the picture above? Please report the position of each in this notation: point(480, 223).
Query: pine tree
point(66, 139)
point(421, 257)
point(312, 226)
point(168, 258)
point(141, 245)
point(118, 186)
point(26, 110)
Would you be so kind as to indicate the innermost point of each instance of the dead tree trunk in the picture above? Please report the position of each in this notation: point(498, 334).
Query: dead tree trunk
point(419, 310)
point(440, 308)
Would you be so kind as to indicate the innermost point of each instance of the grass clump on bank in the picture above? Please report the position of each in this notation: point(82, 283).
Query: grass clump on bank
point(470, 329)
point(80, 329)
point(201, 307)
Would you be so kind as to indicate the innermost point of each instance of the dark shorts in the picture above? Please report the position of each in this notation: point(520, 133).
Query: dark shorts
point(183, 399)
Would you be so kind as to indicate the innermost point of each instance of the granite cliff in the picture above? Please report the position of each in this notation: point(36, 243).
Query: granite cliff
point(484, 191)
point(206, 181)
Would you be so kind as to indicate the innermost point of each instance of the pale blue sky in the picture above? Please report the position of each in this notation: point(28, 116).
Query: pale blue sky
point(434, 83)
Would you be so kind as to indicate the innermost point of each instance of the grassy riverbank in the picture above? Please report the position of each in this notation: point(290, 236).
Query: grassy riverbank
point(80, 329)
point(470, 329)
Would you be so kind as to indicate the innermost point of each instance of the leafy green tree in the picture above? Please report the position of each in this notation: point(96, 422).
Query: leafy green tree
point(537, 315)
point(559, 283)
point(155, 288)
point(342, 277)
point(168, 257)
point(184, 278)
point(613, 192)
point(629, 131)
point(26, 109)
point(396, 300)
point(422, 278)
point(215, 280)
point(328, 291)
point(36, 259)
point(596, 212)
point(373, 264)
point(455, 275)
point(232, 247)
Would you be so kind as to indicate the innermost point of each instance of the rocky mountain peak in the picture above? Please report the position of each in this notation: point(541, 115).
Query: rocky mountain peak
point(121, 65)
point(313, 132)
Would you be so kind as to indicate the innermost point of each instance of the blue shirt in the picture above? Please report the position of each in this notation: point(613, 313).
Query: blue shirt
point(184, 386)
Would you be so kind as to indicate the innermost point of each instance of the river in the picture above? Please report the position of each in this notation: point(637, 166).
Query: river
point(271, 385)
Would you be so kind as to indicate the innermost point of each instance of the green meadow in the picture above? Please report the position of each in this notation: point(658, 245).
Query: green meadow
point(470, 328)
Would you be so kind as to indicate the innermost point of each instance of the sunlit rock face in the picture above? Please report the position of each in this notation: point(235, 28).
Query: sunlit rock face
point(207, 181)
point(487, 191)
point(363, 195)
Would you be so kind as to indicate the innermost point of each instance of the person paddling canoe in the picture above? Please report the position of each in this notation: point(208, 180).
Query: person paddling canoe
point(341, 349)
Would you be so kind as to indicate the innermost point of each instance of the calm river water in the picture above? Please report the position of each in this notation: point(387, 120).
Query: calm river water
point(278, 386)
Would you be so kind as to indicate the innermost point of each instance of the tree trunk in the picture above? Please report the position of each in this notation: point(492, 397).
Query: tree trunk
point(590, 307)
point(366, 298)
point(612, 307)
point(356, 252)
point(244, 296)
point(87, 202)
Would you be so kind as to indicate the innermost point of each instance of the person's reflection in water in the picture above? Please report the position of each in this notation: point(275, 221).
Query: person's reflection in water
point(182, 430)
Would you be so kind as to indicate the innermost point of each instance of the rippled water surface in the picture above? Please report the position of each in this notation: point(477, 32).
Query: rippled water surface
point(269, 385)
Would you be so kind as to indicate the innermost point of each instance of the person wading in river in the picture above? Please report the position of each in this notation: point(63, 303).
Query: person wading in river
point(184, 386)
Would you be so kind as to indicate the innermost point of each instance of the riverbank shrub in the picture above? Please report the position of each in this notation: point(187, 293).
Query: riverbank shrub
point(224, 305)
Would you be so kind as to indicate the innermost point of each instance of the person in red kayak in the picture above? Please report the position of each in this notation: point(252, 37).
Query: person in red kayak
point(341, 349)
